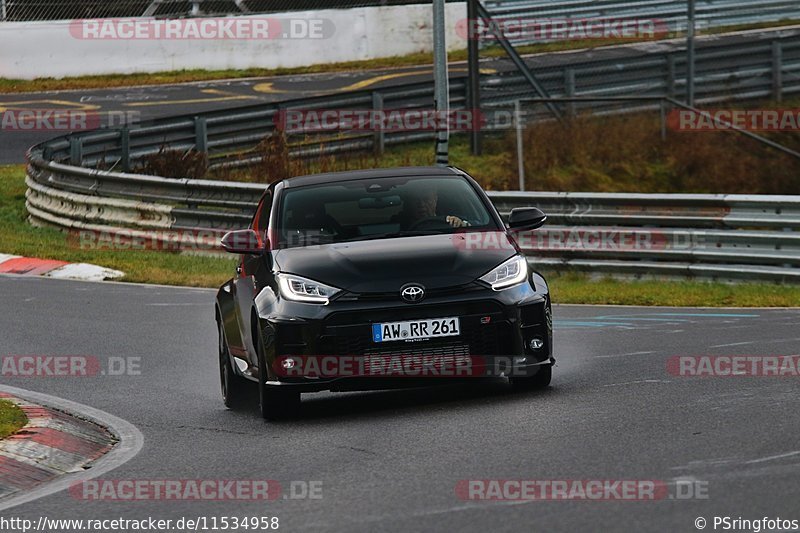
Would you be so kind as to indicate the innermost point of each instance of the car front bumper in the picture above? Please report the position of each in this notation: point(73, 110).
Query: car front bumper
point(497, 328)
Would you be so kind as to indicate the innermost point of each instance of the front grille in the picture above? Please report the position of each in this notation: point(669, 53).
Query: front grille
point(475, 339)
point(447, 352)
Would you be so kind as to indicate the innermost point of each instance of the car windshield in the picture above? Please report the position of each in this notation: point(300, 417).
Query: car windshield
point(380, 208)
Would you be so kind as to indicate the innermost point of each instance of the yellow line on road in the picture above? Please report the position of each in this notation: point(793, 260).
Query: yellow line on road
point(225, 97)
point(269, 87)
point(22, 105)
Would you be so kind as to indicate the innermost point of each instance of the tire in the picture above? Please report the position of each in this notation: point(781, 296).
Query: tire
point(540, 380)
point(274, 403)
point(233, 387)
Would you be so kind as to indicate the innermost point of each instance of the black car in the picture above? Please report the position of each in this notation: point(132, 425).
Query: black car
point(378, 279)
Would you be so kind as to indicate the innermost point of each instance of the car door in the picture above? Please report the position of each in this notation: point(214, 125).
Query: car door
point(245, 284)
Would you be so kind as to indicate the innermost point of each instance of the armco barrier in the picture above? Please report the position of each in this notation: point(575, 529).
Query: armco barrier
point(760, 64)
point(672, 13)
point(709, 236)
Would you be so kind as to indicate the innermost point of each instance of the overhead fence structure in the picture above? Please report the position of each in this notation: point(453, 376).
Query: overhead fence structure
point(38, 10)
point(527, 17)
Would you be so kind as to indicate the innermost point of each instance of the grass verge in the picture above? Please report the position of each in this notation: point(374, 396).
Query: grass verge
point(12, 419)
point(185, 76)
point(18, 237)
point(576, 288)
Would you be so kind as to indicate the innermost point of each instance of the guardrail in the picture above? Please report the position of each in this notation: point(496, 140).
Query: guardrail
point(708, 236)
point(759, 64)
point(672, 13)
point(729, 236)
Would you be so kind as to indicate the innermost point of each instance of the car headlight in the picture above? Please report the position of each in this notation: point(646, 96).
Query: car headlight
point(512, 272)
point(305, 290)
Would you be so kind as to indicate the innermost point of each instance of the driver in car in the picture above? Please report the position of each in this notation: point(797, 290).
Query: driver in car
point(421, 205)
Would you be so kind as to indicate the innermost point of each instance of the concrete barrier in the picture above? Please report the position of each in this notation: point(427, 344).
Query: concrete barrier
point(60, 48)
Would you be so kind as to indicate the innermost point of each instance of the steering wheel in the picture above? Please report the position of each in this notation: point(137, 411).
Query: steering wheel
point(430, 223)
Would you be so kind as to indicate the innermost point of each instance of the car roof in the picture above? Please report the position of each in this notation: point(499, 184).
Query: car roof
point(401, 172)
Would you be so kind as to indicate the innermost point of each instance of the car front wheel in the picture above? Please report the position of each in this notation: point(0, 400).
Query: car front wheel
point(233, 387)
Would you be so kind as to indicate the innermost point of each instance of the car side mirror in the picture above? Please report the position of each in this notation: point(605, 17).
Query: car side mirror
point(245, 241)
point(526, 218)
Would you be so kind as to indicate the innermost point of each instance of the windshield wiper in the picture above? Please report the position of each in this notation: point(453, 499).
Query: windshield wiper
point(392, 235)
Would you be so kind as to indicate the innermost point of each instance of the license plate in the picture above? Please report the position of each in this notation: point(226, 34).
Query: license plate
point(416, 329)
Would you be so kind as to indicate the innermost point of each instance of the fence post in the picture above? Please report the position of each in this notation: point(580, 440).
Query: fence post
point(671, 75)
point(569, 90)
point(690, 54)
point(777, 71)
point(125, 147)
point(379, 139)
point(663, 105)
point(76, 151)
point(201, 134)
point(474, 80)
point(520, 160)
point(3, 12)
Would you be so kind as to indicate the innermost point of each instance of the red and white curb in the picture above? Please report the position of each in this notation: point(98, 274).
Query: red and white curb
point(28, 266)
point(58, 448)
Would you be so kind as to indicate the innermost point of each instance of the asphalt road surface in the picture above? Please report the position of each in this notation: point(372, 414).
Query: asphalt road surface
point(390, 461)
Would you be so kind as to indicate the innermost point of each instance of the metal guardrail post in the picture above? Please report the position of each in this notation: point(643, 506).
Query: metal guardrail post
point(690, 53)
point(441, 83)
point(76, 151)
point(379, 139)
point(777, 71)
point(663, 110)
point(671, 75)
point(520, 156)
point(474, 85)
point(201, 134)
point(569, 90)
point(125, 148)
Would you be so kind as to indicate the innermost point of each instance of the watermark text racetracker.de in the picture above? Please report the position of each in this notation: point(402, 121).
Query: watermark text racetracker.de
point(67, 366)
point(64, 120)
point(189, 490)
point(203, 29)
point(610, 490)
point(726, 366)
point(755, 120)
point(563, 29)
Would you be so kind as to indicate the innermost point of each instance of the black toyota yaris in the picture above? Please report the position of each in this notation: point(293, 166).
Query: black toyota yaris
point(379, 279)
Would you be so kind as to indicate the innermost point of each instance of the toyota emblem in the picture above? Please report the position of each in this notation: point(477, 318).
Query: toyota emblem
point(412, 293)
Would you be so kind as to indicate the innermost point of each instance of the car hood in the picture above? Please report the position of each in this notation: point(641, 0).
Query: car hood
point(385, 265)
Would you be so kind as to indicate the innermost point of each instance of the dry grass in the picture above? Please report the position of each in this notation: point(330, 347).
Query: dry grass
point(627, 154)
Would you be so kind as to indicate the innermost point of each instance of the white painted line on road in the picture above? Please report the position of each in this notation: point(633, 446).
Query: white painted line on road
point(637, 382)
point(732, 344)
point(130, 443)
point(773, 457)
point(622, 355)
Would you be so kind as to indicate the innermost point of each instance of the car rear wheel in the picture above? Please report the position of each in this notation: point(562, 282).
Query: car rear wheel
point(540, 380)
point(233, 387)
point(274, 402)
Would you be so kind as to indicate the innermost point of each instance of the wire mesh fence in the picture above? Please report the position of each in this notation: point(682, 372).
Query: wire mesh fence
point(32, 10)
